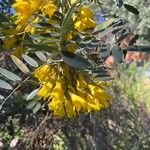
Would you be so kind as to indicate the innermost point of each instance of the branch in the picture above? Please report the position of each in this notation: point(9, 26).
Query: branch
point(13, 92)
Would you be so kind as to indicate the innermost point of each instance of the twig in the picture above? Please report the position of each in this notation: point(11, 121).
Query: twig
point(13, 92)
point(3, 37)
point(43, 121)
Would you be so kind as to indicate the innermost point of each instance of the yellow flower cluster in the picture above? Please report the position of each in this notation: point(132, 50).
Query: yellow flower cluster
point(68, 91)
point(26, 8)
point(84, 19)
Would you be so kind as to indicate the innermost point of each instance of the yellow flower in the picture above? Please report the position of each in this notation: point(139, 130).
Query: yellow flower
point(84, 19)
point(70, 110)
point(45, 73)
point(57, 106)
point(36, 4)
point(49, 9)
point(69, 97)
point(25, 9)
point(57, 102)
point(77, 101)
point(58, 92)
point(86, 12)
point(92, 103)
point(83, 23)
point(100, 94)
point(30, 28)
point(71, 46)
point(45, 90)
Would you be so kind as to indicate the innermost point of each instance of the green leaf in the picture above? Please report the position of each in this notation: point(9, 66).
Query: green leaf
point(67, 20)
point(20, 64)
point(45, 25)
point(30, 60)
point(32, 94)
point(104, 52)
point(138, 48)
point(1, 97)
point(9, 75)
point(103, 78)
point(45, 35)
point(74, 60)
point(3, 18)
point(5, 85)
point(41, 47)
point(41, 56)
point(31, 104)
point(134, 40)
point(103, 26)
point(37, 108)
point(105, 31)
point(118, 54)
point(131, 9)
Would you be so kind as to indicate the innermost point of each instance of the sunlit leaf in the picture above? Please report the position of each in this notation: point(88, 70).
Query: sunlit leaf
point(67, 20)
point(31, 104)
point(20, 64)
point(9, 75)
point(104, 25)
point(30, 60)
point(5, 85)
point(41, 56)
point(103, 78)
point(32, 94)
point(41, 47)
point(1, 97)
point(37, 108)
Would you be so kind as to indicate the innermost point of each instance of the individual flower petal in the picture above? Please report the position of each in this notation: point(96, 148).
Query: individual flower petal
point(45, 90)
point(77, 101)
point(70, 110)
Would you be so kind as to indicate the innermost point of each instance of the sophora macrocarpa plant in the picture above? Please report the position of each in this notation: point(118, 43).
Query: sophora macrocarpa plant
point(62, 46)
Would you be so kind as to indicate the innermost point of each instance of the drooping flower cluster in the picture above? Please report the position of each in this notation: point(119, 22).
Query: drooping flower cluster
point(26, 8)
point(68, 92)
point(66, 89)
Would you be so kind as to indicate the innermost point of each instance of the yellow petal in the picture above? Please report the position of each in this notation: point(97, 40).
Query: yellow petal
point(69, 109)
point(77, 101)
point(58, 92)
point(45, 90)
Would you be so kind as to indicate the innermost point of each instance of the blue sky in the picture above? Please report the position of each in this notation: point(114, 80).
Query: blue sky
point(11, 9)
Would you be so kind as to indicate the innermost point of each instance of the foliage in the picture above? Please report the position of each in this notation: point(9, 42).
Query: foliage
point(143, 6)
point(139, 83)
